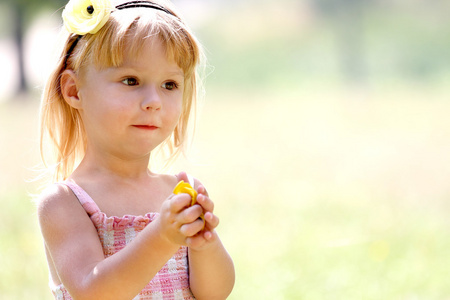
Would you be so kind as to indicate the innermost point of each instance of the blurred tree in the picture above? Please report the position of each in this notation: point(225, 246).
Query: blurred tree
point(348, 16)
point(24, 10)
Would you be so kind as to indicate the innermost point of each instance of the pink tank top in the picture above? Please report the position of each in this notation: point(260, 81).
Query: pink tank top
point(170, 283)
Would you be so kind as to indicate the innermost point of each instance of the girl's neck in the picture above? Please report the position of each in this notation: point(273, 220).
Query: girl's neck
point(113, 167)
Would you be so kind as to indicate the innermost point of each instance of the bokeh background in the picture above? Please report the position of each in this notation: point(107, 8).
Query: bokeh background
point(324, 139)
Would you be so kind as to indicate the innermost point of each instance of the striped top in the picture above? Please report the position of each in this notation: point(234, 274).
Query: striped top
point(170, 283)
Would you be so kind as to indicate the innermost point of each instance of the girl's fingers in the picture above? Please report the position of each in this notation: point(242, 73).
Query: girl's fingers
point(205, 202)
point(209, 235)
point(198, 241)
point(212, 221)
point(179, 202)
point(182, 176)
point(191, 229)
point(202, 190)
point(190, 214)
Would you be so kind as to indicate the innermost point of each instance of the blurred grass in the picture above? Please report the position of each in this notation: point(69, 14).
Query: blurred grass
point(332, 196)
point(23, 271)
point(321, 195)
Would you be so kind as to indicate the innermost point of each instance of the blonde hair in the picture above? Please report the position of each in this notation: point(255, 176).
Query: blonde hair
point(123, 32)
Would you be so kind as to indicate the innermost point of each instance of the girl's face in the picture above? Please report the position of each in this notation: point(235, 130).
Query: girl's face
point(129, 110)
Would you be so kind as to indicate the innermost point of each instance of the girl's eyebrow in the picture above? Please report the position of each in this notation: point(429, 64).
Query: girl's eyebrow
point(172, 72)
point(176, 73)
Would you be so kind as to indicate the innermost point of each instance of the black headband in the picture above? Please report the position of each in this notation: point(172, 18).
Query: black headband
point(131, 4)
point(134, 4)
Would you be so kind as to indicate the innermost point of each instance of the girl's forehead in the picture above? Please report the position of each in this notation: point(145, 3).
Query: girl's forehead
point(150, 44)
point(150, 49)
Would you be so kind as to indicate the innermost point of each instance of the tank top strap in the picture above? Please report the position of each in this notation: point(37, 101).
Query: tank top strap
point(85, 200)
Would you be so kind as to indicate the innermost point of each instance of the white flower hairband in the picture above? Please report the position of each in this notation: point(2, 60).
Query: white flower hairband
point(86, 16)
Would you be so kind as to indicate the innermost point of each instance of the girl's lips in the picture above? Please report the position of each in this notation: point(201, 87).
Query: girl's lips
point(146, 127)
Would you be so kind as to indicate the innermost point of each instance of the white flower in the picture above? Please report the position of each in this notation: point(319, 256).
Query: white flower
point(86, 16)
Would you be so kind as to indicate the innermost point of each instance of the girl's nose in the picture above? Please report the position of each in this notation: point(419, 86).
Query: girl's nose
point(152, 100)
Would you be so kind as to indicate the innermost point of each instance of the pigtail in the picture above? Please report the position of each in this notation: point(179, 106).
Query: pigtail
point(61, 129)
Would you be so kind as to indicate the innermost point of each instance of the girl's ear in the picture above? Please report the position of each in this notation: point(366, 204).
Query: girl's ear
point(69, 88)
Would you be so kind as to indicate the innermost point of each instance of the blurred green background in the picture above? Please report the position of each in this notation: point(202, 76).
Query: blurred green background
point(324, 140)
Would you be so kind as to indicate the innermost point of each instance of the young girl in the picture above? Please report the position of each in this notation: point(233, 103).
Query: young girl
point(125, 84)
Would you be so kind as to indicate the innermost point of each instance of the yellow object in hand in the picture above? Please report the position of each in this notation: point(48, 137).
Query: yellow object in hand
point(185, 187)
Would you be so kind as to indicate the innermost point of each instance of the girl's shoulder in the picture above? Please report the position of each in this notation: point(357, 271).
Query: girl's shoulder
point(53, 195)
point(56, 203)
point(171, 180)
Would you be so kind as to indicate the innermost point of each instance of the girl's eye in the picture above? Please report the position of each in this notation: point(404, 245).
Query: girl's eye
point(130, 81)
point(170, 85)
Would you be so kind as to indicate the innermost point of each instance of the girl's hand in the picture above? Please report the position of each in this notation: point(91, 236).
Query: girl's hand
point(211, 270)
point(178, 220)
point(206, 236)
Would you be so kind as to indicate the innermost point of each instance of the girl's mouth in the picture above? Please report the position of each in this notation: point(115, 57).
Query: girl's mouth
point(146, 127)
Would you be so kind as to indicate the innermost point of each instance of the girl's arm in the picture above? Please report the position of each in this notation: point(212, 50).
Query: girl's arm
point(76, 252)
point(211, 269)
